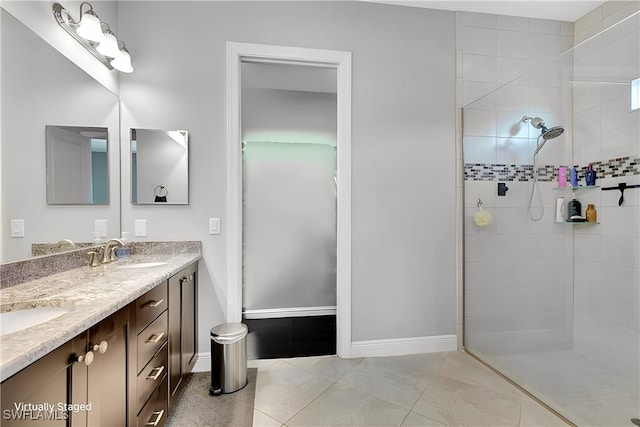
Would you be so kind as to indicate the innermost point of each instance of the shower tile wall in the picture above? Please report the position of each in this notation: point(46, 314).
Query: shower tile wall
point(518, 276)
point(607, 257)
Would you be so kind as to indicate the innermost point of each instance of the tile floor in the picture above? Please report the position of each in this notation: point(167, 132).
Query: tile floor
point(435, 389)
point(586, 391)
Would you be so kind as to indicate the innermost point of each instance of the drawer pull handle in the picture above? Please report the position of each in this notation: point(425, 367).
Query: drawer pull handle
point(153, 304)
point(158, 415)
point(159, 370)
point(155, 338)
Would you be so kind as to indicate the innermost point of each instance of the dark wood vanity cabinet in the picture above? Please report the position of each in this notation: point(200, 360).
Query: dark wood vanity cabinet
point(182, 328)
point(81, 383)
point(124, 371)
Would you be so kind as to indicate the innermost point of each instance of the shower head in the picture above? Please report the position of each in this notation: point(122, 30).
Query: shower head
point(545, 133)
point(554, 132)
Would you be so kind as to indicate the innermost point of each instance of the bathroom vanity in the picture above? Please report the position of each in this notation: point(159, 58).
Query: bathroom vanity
point(117, 356)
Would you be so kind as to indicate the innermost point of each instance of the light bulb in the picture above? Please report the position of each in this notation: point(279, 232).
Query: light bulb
point(90, 28)
point(109, 45)
point(122, 61)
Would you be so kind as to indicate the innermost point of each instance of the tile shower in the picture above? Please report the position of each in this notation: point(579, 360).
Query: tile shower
point(554, 306)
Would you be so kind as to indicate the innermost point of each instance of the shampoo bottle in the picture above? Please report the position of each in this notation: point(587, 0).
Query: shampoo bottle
point(574, 177)
point(591, 213)
point(562, 176)
point(590, 175)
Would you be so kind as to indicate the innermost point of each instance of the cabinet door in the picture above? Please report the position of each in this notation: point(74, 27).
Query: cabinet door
point(107, 390)
point(48, 386)
point(189, 319)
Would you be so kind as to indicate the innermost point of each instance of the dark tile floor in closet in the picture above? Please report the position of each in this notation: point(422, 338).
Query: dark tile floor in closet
point(291, 337)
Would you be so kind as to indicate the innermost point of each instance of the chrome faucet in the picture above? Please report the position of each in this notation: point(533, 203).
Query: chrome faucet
point(109, 252)
point(64, 242)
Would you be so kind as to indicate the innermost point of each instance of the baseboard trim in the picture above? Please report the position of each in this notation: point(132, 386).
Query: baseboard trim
point(203, 364)
point(404, 346)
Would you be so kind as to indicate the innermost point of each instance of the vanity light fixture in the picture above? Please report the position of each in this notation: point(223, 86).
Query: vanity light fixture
point(103, 44)
point(109, 44)
point(122, 61)
point(89, 27)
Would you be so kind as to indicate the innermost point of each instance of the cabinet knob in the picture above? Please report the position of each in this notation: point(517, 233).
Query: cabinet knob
point(158, 415)
point(101, 348)
point(87, 359)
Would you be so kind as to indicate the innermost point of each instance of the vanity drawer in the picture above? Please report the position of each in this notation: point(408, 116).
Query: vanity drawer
point(150, 305)
point(152, 375)
point(151, 339)
point(154, 412)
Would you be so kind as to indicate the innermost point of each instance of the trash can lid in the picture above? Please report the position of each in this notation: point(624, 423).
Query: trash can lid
point(229, 330)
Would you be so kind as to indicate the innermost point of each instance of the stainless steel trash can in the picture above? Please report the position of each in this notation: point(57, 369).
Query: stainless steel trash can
point(228, 358)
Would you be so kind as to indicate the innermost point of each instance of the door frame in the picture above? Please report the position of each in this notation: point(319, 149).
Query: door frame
point(250, 52)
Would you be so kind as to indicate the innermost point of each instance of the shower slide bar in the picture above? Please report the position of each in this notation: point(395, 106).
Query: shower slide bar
point(276, 313)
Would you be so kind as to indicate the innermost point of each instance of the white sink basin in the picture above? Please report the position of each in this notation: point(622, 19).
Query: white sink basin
point(141, 265)
point(16, 320)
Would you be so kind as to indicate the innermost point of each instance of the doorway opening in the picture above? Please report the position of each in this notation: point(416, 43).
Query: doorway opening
point(339, 63)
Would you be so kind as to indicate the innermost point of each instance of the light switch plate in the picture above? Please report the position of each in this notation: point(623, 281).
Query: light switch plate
point(140, 228)
point(214, 225)
point(100, 227)
point(17, 228)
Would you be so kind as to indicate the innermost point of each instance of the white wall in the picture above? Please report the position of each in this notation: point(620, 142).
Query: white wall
point(403, 281)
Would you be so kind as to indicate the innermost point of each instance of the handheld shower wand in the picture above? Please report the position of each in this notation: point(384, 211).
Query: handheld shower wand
point(545, 134)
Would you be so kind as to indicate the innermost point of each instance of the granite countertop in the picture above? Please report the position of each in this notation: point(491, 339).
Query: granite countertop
point(92, 293)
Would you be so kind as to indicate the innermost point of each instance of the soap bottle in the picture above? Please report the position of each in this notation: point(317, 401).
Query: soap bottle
point(590, 175)
point(591, 213)
point(562, 177)
point(124, 251)
point(574, 209)
point(574, 177)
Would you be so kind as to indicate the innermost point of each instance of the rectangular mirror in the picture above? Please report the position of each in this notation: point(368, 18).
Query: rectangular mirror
point(159, 167)
point(77, 165)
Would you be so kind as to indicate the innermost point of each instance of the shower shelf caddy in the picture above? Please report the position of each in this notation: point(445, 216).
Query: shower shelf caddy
point(577, 188)
point(580, 187)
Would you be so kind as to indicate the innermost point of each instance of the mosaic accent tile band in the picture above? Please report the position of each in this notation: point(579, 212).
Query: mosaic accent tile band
point(621, 166)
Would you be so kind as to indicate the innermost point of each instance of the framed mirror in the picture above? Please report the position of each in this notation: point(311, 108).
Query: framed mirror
point(77, 165)
point(159, 167)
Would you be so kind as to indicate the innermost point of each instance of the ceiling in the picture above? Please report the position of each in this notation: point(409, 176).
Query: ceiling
point(560, 10)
